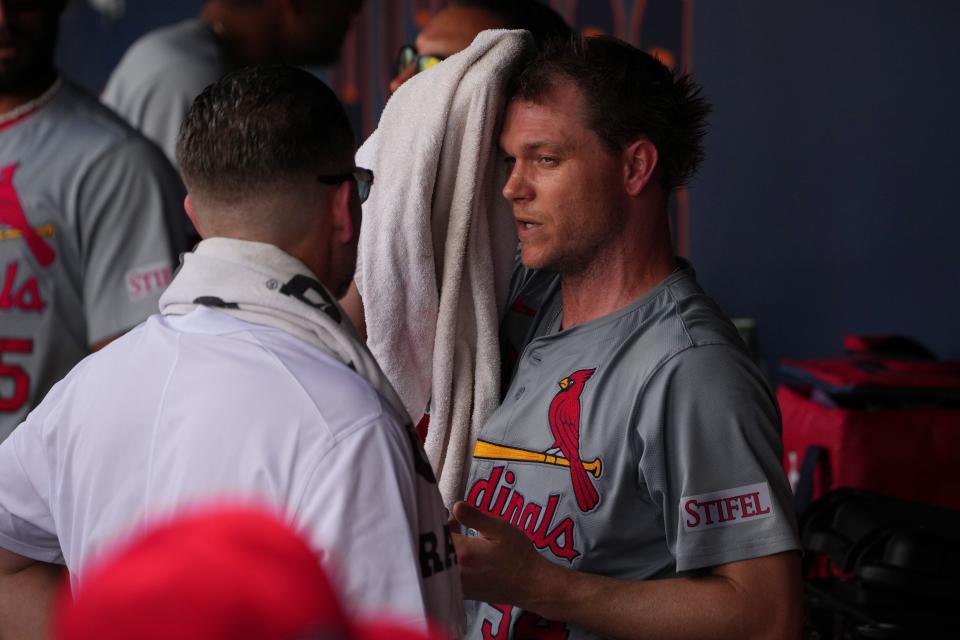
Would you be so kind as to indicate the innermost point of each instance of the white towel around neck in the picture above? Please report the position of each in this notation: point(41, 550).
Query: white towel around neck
point(262, 284)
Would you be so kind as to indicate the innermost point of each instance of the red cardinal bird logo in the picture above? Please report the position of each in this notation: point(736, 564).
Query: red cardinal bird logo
point(565, 425)
point(12, 215)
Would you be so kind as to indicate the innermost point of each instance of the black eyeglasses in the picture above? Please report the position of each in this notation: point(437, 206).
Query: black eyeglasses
point(408, 55)
point(363, 178)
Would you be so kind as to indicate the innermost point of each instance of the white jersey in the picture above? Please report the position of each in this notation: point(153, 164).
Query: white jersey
point(91, 222)
point(188, 410)
point(160, 75)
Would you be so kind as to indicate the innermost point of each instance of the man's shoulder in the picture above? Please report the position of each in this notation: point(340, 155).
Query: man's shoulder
point(701, 318)
point(216, 367)
point(57, 147)
point(337, 392)
point(74, 110)
point(185, 39)
point(264, 357)
point(185, 52)
point(673, 323)
point(87, 127)
point(685, 325)
point(692, 347)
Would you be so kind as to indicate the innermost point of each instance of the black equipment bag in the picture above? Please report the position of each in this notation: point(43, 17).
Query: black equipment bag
point(880, 567)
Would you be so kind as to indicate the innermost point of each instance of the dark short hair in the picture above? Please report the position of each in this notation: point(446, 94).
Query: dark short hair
point(260, 126)
point(628, 95)
point(540, 20)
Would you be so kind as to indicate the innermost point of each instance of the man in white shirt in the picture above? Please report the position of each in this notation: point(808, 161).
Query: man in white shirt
point(250, 385)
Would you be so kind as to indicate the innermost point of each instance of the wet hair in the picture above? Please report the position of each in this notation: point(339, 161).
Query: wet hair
point(627, 94)
point(261, 126)
point(539, 19)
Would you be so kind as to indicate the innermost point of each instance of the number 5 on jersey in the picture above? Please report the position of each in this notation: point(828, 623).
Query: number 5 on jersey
point(19, 378)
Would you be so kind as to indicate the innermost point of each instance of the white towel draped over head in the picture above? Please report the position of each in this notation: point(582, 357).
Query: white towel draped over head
point(437, 245)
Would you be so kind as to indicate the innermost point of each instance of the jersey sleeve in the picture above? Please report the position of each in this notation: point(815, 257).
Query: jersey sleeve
point(132, 227)
point(26, 523)
point(380, 528)
point(710, 434)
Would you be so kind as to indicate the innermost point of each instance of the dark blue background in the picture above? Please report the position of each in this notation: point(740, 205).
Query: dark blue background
point(825, 205)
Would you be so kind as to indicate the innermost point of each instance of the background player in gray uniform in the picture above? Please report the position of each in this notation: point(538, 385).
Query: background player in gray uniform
point(637, 439)
point(90, 217)
point(160, 75)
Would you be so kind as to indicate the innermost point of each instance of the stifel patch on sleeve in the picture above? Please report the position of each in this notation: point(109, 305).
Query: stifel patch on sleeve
point(724, 508)
point(149, 280)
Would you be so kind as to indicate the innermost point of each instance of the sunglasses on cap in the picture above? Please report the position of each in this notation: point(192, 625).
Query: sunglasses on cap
point(363, 178)
point(408, 56)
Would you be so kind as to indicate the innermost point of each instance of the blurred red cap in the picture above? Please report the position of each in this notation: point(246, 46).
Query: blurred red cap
point(233, 573)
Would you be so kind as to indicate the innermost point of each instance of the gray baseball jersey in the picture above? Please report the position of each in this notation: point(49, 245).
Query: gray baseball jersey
point(159, 76)
point(90, 226)
point(640, 445)
point(528, 291)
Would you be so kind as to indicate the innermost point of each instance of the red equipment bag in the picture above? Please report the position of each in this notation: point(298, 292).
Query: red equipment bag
point(891, 426)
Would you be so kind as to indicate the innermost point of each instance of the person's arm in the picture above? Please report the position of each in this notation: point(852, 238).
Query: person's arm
point(29, 547)
point(27, 591)
point(758, 598)
point(129, 207)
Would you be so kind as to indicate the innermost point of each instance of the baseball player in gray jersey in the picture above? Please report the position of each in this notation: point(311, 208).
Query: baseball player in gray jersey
point(162, 72)
point(90, 217)
point(630, 483)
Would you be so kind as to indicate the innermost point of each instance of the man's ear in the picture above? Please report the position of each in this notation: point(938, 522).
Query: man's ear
point(639, 163)
point(341, 217)
point(188, 207)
